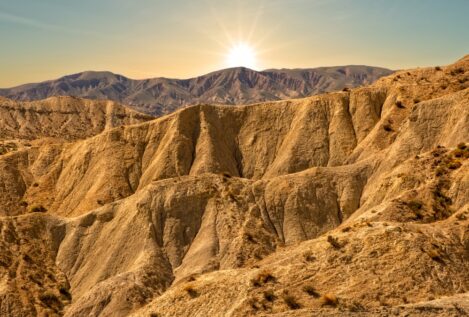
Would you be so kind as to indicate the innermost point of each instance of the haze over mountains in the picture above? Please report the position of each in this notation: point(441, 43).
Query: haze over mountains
point(351, 203)
point(160, 96)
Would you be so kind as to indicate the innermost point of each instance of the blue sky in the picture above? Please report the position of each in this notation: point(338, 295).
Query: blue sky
point(180, 38)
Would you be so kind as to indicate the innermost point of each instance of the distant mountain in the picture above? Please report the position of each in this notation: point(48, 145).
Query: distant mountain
point(159, 96)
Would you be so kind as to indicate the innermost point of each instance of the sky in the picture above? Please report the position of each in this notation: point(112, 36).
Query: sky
point(47, 39)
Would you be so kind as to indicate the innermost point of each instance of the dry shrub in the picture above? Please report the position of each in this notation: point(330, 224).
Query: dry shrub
point(191, 291)
point(263, 278)
point(38, 208)
point(388, 128)
point(334, 242)
point(310, 291)
point(269, 296)
point(291, 302)
point(399, 104)
point(308, 255)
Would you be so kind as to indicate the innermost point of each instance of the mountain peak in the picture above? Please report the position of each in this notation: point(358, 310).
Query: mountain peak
point(237, 85)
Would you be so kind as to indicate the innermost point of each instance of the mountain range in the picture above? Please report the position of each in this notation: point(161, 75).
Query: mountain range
point(349, 203)
point(158, 96)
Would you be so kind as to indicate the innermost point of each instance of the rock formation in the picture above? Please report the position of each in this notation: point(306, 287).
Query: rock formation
point(352, 203)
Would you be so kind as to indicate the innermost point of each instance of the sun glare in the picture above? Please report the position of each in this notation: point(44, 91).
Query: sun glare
point(241, 55)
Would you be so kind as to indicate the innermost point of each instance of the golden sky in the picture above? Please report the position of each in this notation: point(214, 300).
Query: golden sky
point(47, 39)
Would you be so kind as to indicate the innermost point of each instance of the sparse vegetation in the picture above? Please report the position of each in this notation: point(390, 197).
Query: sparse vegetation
point(329, 300)
point(435, 255)
point(263, 278)
point(65, 293)
point(415, 205)
point(191, 291)
point(440, 171)
point(457, 71)
point(308, 255)
point(291, 302)
point(438, 68)
point(38, 208)
point(310, 291)
point(334, 242)
point(458, 153)
point(27, 258)
point(51, 300)
point(454, 165)
point(388, 128)
point(269, 296)
point(399, 104)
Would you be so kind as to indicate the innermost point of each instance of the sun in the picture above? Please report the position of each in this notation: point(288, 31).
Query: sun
point(241, 54)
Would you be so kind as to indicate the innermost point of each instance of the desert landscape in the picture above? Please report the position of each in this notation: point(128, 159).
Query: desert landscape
point(255, 158)
point(341, 204)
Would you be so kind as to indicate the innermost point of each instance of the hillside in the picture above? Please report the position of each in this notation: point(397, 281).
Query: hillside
point(159, 96)
point(351, 203)
point(66, 118)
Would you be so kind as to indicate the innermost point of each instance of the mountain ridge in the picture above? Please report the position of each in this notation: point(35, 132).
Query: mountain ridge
point(232, 86)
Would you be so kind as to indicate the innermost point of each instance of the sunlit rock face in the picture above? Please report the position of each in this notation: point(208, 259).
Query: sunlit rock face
point(332, 205)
